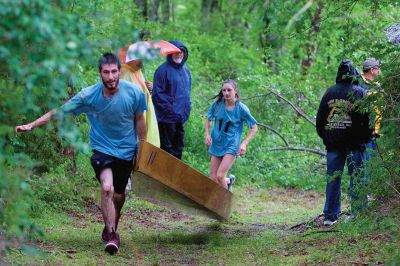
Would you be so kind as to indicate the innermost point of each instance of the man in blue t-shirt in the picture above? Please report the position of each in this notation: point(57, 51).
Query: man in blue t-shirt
point(114, 109)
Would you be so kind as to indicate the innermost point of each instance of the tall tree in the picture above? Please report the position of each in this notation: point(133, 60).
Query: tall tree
point(312, 44)
point(153, 12)
point(142, 5)
point(165, 11)
point(208, 7)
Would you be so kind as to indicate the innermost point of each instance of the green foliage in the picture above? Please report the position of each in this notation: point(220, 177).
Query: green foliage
point(343, 33)
point(384, 168)
point(49, 51)
point(40, 46)
point(15, 197)
point(63, 189)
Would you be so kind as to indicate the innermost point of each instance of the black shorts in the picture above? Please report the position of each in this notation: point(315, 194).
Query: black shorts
point(121, 169)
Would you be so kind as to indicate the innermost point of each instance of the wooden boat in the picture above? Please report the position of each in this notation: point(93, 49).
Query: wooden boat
point(165, 180)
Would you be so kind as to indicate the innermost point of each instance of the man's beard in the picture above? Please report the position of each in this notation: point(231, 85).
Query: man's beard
point(177, 60)
point(110, 87)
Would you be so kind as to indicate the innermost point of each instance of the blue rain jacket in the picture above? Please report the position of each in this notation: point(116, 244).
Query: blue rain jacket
point(172, 84)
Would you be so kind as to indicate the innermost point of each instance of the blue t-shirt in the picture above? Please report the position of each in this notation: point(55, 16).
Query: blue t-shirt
point(228, 127)
point(112, 126)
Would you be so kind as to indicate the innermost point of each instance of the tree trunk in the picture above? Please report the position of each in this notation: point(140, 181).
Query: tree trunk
point(173, 5)
point(268, 41)
point(142, 5)
point(155, 4)
point(207, 7)
point(312, 44)
point(165, 11)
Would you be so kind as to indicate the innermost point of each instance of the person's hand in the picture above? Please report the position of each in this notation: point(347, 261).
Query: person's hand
point(242, 149)
point(208, 140)
point(149, 85)
point(23, 128)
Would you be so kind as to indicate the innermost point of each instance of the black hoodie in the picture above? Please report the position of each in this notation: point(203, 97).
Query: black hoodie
point(339, 124)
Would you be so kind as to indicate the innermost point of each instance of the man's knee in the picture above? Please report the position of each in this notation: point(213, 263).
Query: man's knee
point(107, 189)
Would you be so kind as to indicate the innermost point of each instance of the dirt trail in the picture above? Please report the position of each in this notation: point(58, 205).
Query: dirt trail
point(260, 233)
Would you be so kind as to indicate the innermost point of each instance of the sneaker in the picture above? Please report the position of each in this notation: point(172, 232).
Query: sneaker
point(329, 222)
point(104, 235)
point(232, 180)
point(112, 245)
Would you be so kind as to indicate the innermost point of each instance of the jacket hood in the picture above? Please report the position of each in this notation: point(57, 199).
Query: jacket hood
point(347, 72)
point(183, 48)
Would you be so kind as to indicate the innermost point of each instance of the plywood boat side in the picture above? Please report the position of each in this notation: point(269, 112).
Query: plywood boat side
point(181, 178)
point(156, 192)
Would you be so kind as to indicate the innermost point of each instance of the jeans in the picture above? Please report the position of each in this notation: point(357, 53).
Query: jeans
point(372, 149)
point(336, 160)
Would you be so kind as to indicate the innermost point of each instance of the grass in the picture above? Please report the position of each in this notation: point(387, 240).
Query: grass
point(259, 234)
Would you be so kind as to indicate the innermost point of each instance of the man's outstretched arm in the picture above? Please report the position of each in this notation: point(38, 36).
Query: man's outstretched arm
point(43, 120)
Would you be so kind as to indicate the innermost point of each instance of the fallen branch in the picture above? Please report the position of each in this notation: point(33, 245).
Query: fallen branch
point(297, 109)
point(360, 263)
point(287, 145)
point(321, 232)
point(275, 131)
point(316, 151)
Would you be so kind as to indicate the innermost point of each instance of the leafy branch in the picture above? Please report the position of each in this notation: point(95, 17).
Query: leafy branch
point(275, 131)
point(296, 108)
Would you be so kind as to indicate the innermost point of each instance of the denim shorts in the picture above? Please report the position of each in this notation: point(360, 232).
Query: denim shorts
point(121, 169)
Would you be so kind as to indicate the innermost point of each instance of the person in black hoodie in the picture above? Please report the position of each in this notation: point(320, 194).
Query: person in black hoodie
point(345, 130)
point(171, 99)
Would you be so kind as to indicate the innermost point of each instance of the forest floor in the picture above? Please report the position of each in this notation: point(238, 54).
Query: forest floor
point(268, 227)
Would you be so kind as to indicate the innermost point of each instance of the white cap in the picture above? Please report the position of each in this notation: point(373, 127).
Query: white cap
point(138, 50)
